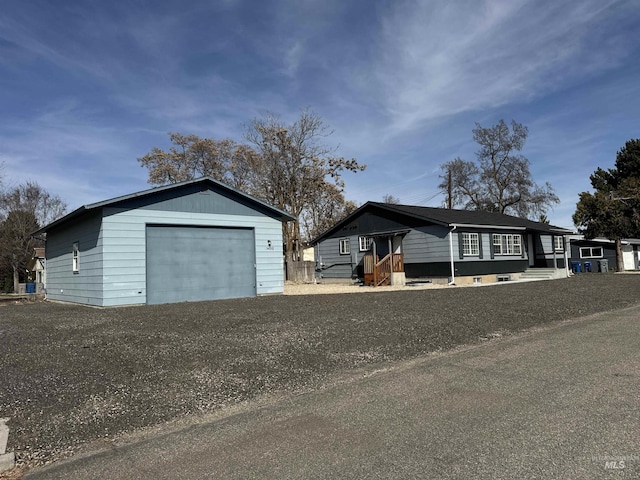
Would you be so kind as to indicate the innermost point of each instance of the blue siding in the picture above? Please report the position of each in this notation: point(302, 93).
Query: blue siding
point(124, 233)
point(196, 199)
point(332, 263)
point(113, 244)
point(428, 244)
point(426, 248)
point(84, 286)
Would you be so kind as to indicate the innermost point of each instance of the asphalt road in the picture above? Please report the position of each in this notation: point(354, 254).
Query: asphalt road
point(558, 402)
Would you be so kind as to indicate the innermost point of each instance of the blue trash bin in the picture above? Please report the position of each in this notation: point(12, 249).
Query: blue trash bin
point(575, 267)
point(31, 288)
point(587, 266)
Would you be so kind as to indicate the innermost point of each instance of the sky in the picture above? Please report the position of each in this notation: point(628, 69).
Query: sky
point(88, 87)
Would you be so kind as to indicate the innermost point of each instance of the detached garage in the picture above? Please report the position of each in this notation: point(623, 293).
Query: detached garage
point(190, 241)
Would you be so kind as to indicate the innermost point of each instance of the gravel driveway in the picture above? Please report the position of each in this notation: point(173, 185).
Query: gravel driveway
point(72, 375)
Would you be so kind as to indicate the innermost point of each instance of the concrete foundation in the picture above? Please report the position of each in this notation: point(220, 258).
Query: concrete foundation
point(398, 278)
point(7, 461)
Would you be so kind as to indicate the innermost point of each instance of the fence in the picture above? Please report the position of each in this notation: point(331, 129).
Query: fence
point(300, 272)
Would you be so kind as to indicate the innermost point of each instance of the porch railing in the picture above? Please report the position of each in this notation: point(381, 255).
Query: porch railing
point(378, 273)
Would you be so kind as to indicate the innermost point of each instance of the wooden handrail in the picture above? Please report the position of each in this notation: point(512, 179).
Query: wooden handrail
point(380, 271)
point(383, 270)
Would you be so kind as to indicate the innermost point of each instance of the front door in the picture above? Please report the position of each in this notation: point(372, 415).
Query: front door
point(531, 250)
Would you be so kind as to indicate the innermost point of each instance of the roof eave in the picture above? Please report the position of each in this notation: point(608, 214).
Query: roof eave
point(284, 216)
point(493, 227)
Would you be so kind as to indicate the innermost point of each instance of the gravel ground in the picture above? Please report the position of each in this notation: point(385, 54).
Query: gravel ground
point(326, 288)
point(72, 375)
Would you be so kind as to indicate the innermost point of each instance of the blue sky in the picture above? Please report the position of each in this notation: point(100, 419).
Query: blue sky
point(87, 87)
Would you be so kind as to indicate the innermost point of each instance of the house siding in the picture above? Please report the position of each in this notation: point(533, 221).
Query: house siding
point(544, 253)
point(124, 232)
point(608, 252)
point(426, 249)
point(112, 242)
point(84, 286)
point(430, 244)
point(331, 264)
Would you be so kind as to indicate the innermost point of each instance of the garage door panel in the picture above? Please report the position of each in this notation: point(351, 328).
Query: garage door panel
point(196, 263)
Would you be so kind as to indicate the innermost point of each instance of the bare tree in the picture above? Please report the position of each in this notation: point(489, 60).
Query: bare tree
point(23, 210)
point(500, 181)
point(287, 166)
point(388, 198)
point(324, 211)
point(192, 156)
point(297, 167)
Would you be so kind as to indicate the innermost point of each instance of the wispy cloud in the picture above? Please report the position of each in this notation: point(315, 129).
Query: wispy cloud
point(442, 58)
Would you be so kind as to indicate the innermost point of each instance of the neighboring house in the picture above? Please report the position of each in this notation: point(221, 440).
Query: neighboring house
point(587, 255)
point(37, 266)
point(190, 241)
point(439, 244)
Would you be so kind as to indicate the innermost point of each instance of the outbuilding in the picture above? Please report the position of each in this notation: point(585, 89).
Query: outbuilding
point(190, 241)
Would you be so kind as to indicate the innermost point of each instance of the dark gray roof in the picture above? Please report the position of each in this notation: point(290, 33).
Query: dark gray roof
point(284, 216)
point(449, 217)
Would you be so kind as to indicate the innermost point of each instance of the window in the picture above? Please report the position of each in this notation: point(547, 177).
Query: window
point(365, 243)
point(558, 244)
point(507, 244)
point(76, 257)
point(470, 245)
point(590, 252)
point(345, 249)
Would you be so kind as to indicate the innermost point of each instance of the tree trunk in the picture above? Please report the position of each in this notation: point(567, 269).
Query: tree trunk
point(619, 257)
point(16, 279)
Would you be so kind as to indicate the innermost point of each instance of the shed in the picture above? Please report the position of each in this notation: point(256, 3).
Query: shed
point(190, 241)
point(587, 254)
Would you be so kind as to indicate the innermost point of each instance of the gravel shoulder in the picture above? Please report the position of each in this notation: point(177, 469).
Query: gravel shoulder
point(73, 375)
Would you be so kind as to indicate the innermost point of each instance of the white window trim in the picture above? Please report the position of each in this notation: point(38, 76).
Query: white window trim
point(75, 262)
point(558, 245)
point(591, 255)
point(345, 247)
point(504, 244)
point(470, 248)
point(364, 243)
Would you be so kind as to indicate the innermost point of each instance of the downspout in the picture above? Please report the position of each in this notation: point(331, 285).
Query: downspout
point(453, 267)
point(566, 254)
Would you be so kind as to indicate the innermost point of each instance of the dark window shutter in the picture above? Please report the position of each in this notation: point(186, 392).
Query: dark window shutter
point(480, 245)
point(522, 246)
point(491, 249)
point(460, 245)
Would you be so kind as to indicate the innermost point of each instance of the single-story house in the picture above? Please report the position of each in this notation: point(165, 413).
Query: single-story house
point(442, 245)
point(588, 255)
point(189, 241)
